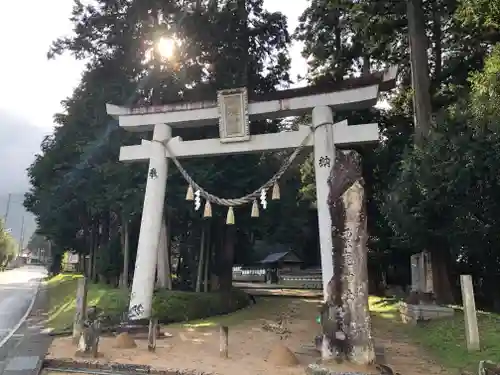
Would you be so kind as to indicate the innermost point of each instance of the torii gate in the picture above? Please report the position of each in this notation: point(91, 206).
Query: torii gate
point(233, 110)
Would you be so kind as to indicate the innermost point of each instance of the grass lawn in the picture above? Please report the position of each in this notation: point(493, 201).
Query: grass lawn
point(443, 339)
point(62, 299)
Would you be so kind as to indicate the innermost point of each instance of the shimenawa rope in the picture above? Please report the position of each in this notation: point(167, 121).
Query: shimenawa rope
point(247, 198)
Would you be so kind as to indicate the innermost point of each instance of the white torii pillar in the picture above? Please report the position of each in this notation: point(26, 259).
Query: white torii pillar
point(327, 136)
point(161, 263)
point(324, 157)
point(151, 223)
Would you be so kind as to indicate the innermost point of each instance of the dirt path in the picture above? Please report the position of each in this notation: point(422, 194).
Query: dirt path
point(253, 334)
point(403, 356)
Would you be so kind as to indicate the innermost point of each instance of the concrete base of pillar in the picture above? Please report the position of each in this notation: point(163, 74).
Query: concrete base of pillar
point(339, 369)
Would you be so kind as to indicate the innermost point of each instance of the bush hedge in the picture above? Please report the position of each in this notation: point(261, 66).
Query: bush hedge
point(178, 306)
point(171, 306)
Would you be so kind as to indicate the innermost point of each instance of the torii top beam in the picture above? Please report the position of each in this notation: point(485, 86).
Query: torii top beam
point(344, 135)
point(354, 93)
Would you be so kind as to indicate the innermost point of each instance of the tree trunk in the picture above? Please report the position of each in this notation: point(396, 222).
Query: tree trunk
point(207, 265)
point(97, 238)
point(441, 286)
point(419, 70)
point(168, 254)
point(180, 261)
point(201, 259)
point(161, 261)
point(437, 34)
point(422, 111)
point(366, 66)
point(347, 314)
point(226, 260)
point(126, 253)
point(93, 240)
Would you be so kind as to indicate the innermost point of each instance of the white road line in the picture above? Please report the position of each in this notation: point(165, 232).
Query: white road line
point(25, 316)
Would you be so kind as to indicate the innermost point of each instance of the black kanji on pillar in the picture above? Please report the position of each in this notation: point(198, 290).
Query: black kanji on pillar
point(324, 161)
point(153, 174)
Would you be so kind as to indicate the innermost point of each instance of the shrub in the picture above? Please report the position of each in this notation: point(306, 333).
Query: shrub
point(179, 306)
point(171, 306)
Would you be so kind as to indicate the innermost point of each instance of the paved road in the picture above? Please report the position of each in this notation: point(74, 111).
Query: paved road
point(17, 289)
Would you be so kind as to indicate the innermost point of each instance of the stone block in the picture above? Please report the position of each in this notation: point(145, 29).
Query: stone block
point(412, 313)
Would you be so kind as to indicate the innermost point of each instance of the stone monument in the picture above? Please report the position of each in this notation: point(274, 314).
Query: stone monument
point(420, 304)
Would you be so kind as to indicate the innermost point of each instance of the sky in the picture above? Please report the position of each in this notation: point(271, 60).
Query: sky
point(32, 87)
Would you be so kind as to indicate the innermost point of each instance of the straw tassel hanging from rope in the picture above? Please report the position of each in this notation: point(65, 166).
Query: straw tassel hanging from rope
point(276, 192)
point(230, 216)
point(190, 193)
point(255, 209)
point(208, 210)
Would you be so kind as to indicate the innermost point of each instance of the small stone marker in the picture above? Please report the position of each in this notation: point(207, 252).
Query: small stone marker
point(471, 329)
point(415, 272)
point(96, 334)
point(82, 345)
point(152, 334)
point(88, 344)
point(224, 342)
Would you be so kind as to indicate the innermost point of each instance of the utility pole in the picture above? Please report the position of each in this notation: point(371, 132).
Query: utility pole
point(21, 237)
point(49, 250)
point(7, 209)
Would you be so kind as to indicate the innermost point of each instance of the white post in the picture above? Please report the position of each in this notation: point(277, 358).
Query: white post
point(324, 158)
point(149, 235)
point(471, 329)
point(161, 267)
point(415, 272)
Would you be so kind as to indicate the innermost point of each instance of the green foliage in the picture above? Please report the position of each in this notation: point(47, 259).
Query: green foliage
point(38, 242)
point(82, 195)
point(65, 266)
point(480, 13)
point(177, 306)
point(8, 245)
point(485, 92)
point(168, 306)
point(342, 36)
point(446, 194)
point(444, 339)
point(442, 196)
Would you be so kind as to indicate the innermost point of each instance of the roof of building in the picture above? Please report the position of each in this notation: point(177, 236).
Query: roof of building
point(276, 257)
